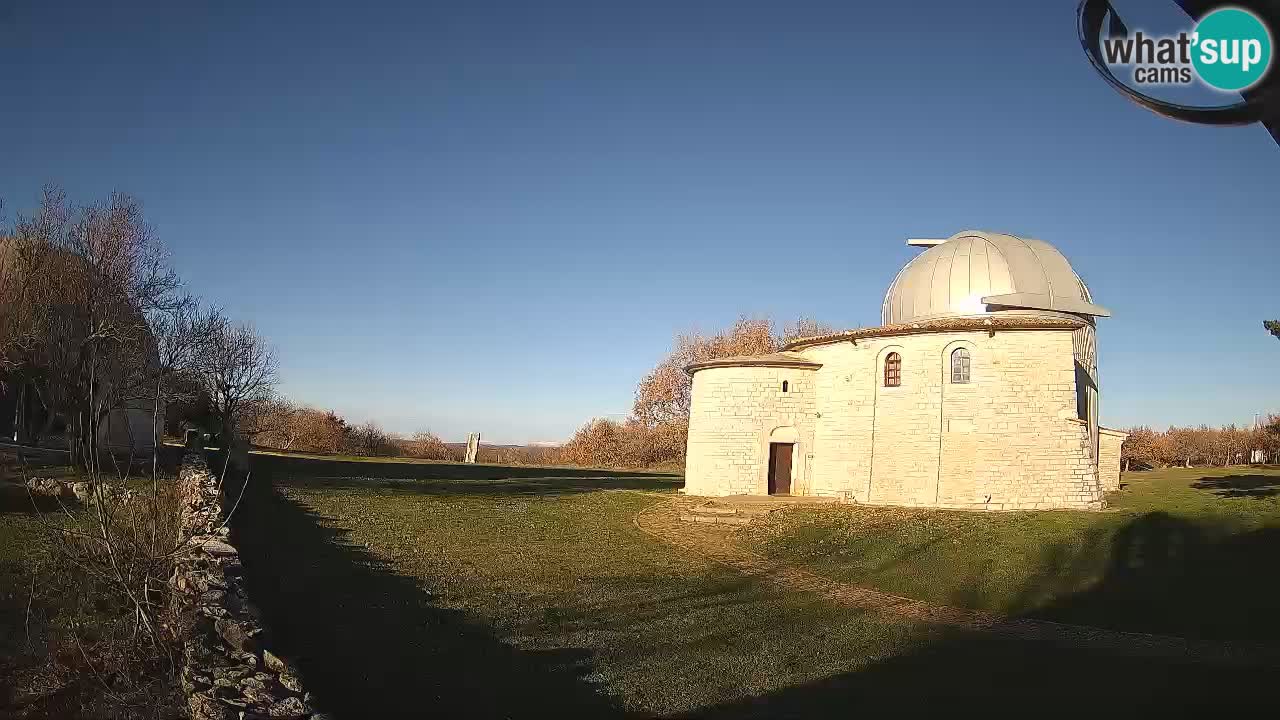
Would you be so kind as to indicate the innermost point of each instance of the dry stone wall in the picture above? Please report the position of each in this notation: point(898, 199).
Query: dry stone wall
point(227, 673)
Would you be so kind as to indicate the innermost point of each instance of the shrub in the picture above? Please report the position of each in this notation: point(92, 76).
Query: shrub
point(428, 446)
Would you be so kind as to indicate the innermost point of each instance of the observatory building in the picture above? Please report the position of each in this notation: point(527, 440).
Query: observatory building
point(979, 390)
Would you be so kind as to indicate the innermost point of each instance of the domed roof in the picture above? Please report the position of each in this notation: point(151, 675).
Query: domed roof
point(980, 273)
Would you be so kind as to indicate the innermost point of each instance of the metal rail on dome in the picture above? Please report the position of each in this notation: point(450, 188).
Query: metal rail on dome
point(1037, 301)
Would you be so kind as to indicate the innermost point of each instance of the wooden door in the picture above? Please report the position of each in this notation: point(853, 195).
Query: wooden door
point(780, 468)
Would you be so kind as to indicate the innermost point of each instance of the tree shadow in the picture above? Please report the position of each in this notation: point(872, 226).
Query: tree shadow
point(1166, 575)
point(1240, 486)
point(1169, 575)
point(369, 642)
point(962, 672)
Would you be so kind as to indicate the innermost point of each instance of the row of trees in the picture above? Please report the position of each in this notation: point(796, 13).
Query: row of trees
point(284, 425)
point(1204, 445)
point(95, 322)
point(1201, 446)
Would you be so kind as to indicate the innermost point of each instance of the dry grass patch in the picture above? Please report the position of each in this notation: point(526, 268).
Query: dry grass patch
point(70, 645)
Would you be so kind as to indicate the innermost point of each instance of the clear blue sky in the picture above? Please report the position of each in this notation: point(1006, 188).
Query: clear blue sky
point(494, 216)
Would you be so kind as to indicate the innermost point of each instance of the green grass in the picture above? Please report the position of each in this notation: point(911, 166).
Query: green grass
point(542, 584)
point(455, 465)
point(528, 593)
point(1182, 551)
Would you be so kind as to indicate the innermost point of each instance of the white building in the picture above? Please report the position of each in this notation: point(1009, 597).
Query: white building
point(979, 390)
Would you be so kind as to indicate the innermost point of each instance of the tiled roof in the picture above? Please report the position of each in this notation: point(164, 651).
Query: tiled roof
point(781, 359)
point(990, 323)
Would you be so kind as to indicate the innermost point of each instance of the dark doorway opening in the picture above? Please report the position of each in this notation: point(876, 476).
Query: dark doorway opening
point(780, 468)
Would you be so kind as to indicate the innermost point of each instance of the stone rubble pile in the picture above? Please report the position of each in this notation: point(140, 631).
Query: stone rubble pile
point(79, 490)
point(227, 673)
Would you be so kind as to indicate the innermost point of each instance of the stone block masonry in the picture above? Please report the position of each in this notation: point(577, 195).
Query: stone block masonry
point(227, 672)
point(1006, 438)
point(1110, 442)
point(737, 410)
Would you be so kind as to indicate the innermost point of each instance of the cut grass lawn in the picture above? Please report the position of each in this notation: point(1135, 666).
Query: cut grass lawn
point(1188, 552)
point(528, 592)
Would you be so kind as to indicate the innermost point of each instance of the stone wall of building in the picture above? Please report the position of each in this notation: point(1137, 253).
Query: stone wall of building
point(1110, 442)
point(227, 672)
point(129, 429)
point(1008, 439)
point(735, 411)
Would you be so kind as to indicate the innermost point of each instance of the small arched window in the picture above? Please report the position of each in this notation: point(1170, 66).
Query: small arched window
point(784, 386)
point(893, 370)
point(960, 365)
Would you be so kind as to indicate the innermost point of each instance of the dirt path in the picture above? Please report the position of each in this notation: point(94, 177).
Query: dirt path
point(715, 542)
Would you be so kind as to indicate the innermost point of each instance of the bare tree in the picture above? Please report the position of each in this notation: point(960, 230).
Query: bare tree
point(803, 327)
point(238, 370)
point(85, 278)
point(427, 445)
point(371, 439)
point(30, 268)
point(182, 333)
point(664, 394)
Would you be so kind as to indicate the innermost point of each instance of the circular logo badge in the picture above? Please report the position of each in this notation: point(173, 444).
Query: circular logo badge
point(1232, 49)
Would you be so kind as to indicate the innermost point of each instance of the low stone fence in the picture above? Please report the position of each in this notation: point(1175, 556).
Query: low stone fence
point(227, 673)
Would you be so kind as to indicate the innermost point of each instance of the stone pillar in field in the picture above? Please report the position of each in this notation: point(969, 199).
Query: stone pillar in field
point(473, 445)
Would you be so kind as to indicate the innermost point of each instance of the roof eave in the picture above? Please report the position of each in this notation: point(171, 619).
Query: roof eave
point(797, 363)
point(989, 323)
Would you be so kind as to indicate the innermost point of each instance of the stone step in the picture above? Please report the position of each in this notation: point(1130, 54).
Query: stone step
point(718, 519)
point(709, 509)
point(756, 510)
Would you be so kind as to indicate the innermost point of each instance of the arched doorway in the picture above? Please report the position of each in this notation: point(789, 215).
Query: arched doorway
point(782, 443)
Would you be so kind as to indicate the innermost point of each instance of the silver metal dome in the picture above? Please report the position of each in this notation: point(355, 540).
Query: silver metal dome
point(979, 273)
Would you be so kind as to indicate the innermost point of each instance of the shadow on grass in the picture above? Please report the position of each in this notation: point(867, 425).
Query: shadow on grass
point(455, 478)
point(18, 500)
point(370, 643)
point(1165, 576)
point(1168, 575)
point(967, 674)
point(1240, 486)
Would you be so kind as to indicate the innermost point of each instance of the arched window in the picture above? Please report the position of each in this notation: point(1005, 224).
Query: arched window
point(784, 386)
point(960, 365)
point(893, 370)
